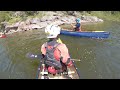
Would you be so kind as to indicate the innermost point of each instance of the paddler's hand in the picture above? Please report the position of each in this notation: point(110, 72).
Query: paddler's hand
point(72, 25)
point(70, 64)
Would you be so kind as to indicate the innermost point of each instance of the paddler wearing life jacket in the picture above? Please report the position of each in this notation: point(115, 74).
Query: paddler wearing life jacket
point(77, 26)
point(55, 53)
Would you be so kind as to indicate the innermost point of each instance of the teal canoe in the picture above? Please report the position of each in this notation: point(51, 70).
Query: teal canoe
point(88, 34)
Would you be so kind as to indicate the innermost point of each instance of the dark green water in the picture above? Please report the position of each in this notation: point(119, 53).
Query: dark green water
point(99, 57)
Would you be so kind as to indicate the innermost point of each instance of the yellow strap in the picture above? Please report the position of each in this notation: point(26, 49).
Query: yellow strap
point(59, 40)
point(98, 31)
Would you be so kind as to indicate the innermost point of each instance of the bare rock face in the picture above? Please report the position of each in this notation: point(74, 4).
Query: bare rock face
point(35, 21)
point(50, 13)
point(57, 22)
point(91, 19)
point(43, 19)
point(10, 27)
point(49, 18)
point(16, 24)
point(34, 26)
point(43, 24)
point(28, 21)
point(19, 13)
point(73, 13)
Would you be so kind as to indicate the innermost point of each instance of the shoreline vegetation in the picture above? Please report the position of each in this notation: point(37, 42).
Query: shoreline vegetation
point(17, 21)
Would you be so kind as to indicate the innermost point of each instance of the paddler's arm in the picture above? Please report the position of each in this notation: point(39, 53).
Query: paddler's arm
point(72, 25)
point(65, 55)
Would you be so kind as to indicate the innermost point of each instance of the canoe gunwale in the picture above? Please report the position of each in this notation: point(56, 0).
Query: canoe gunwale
point(76, 72)
point(88, 34)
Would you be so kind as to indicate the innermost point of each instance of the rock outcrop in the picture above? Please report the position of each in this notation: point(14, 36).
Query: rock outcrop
point(49, 18)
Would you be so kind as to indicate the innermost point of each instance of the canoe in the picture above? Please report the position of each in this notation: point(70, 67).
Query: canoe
point(3, 36)
point(73, 73)
point(88, 34)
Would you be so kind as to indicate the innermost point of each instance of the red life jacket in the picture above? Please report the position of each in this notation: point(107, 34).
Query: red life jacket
point(50, 59)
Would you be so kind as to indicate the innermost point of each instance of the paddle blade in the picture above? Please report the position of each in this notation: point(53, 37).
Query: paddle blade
point(31, 56)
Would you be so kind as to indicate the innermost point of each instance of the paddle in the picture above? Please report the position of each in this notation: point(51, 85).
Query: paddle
point(39, 56)
point(33, 56)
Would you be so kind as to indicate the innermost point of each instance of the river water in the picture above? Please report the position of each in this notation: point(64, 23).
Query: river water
point(100, 58)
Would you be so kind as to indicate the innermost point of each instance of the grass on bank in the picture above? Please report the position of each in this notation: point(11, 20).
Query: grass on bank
point(10, 17)
point(107, 15)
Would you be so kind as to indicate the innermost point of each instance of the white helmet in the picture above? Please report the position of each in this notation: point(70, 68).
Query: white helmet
point(52, 31)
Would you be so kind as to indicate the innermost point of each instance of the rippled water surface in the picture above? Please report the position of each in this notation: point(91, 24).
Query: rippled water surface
point(99, 57)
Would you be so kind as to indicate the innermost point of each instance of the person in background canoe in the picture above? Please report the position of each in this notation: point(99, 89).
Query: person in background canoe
point(55, 53)
point(77, 27)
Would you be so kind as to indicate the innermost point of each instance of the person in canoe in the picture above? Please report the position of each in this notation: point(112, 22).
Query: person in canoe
point(77, 26)
point(55, 53)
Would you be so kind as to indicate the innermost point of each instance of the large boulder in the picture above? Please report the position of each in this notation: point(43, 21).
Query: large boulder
point(43, 19)
point(48, 22)
point(73, 13)
point(10, 27)
point(48, 18)
point(50, 13)
point(18, 13)
point(16, 24)
point(34, 26)
point(35, 21)
point(68, 19)
point(57, 22)
point(28, 21)
point(91, 18)
point(43, 24)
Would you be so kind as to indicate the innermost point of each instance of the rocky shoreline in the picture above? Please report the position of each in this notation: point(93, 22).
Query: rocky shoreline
point(49, 18)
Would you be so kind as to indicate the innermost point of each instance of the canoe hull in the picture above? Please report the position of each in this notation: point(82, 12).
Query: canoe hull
point(3, 36)
point(73, 73)
point(88, 34)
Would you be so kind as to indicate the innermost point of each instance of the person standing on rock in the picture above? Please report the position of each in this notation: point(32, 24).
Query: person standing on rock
point(77, 26)
point(55, 53)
